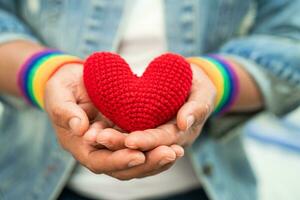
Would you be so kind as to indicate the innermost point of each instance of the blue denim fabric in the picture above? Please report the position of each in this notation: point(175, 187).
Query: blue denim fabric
point(261, 34)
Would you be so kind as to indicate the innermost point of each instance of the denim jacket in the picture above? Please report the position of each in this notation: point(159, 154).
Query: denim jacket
point(263, 35)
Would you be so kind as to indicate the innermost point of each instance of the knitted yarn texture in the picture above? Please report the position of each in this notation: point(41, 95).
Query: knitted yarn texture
point(132, 102)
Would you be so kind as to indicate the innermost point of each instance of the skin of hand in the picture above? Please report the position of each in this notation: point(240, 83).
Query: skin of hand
point(182, 131)
point(77, 123)
point(189, 120)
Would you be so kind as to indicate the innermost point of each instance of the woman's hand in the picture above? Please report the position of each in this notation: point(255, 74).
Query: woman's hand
point(72, 114)
point(157, 159)
point(67, 102)
point(177, 133)
point(79, 125)
point(189, 122)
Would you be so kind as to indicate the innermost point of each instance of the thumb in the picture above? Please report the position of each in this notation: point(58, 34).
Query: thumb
point(63, 110)
point(200, 103)
point(192, 113)
point(70, 116)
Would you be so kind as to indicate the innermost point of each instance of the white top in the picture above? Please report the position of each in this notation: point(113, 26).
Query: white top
point(142, 40)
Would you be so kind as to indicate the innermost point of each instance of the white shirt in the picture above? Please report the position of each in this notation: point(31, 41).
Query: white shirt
point(142, 40)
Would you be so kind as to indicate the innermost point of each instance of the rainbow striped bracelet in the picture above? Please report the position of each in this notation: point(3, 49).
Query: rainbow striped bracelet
point(223, 76)
point(37, 70)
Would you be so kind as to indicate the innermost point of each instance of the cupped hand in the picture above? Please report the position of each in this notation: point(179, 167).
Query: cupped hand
point(72, 114)
point(66, 100)
point(78, 126)
point(176, 134)
point(157, 159)
point(189, 120)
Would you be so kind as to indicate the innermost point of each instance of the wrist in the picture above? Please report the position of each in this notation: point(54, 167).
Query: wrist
point(13, 54)
point(224, 78)
point(249, 98)
point(37, 70)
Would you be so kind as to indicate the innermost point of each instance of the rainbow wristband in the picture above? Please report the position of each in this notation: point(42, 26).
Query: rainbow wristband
point(234, 81)
point(223, 76)
point(36, 71)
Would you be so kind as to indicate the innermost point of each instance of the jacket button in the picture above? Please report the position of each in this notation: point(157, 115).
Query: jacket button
point(207, 169)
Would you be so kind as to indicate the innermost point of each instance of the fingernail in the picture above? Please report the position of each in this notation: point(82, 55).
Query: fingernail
point(135, 162)
point(165, 161)
point(74, 124)
point(190, 121)
point(181, 153)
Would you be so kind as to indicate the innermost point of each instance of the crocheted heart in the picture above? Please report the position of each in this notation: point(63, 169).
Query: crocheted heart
point(132, 102)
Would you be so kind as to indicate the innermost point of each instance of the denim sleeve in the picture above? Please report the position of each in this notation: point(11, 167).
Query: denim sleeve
point(11, 26)
point(271, 53)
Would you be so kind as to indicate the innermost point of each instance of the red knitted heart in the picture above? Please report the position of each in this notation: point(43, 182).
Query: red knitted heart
point(132, 102)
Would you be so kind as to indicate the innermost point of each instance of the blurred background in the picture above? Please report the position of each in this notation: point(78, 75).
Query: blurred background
point(273, 146)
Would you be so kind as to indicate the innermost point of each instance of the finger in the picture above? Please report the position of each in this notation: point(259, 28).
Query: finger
point(155, 159)
point(167, 134)
point(200, 102)
point(106, 122)
point(90, 110)
point(63, 110)
point(111, 139)
point(104, 161)
point(99, 160)
point(91, 134)
point(179, 153)
point(178, 150)
point(117, 128)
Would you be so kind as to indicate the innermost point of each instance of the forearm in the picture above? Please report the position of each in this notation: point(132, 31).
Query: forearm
point(249, 97)
point(13, 55)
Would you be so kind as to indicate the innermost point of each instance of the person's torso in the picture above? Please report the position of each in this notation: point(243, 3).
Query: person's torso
point(79, 27)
